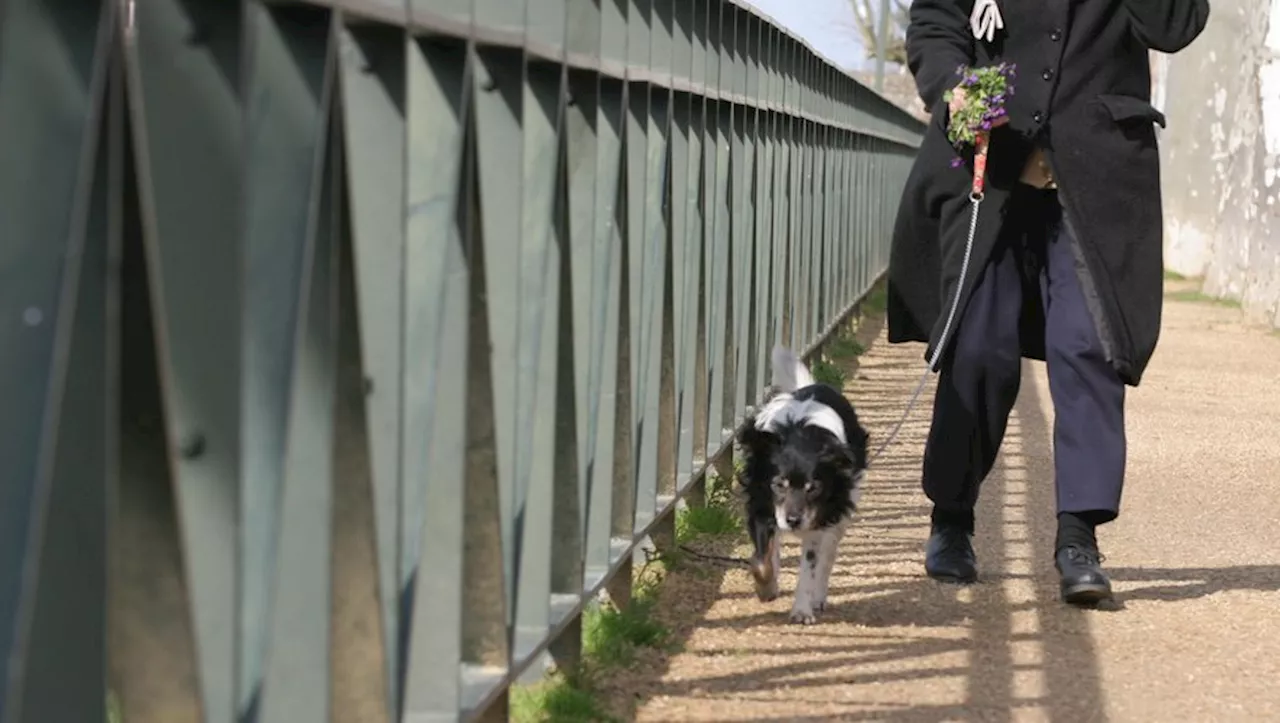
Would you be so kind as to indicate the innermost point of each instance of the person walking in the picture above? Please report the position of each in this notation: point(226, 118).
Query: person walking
point(1067, 255)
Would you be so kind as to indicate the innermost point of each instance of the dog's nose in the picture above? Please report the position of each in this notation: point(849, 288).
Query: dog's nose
point(793, 521)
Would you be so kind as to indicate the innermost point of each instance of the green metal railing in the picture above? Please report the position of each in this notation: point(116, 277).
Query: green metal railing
point(347, 349)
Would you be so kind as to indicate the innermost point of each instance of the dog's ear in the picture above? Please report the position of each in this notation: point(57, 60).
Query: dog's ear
point(838, 460)
point(755, 442)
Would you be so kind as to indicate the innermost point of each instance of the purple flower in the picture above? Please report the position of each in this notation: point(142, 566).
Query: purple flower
point(994, 114)
point(987, 89)
point(957, 162)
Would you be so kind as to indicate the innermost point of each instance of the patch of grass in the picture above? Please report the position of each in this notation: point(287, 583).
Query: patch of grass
point(719, 516)
point(1197, 297)
point(843, 347)
point(1170, 275)
point(827, 373)
point(718, 492)
point(556, 700)
point(876, 301)
point(612, 636)
point(714, 520)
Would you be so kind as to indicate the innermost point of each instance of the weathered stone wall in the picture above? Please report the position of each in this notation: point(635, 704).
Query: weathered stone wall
point(1221, 155)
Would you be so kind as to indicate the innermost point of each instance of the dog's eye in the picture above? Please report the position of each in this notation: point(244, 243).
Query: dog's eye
point(779, 484)
point(810, 486)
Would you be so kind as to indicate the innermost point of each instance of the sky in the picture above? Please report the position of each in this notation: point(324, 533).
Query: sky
point(827, 25)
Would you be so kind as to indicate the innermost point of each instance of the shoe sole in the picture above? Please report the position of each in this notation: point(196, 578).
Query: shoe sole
point(952, 579)
point(1088, 594)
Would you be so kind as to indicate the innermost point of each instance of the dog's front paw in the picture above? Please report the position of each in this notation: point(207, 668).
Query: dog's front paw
point(766, 581)
point(766, 591)
point(803, 616)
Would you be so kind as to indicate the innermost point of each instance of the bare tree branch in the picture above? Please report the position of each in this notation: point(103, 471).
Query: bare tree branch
point(866, 14)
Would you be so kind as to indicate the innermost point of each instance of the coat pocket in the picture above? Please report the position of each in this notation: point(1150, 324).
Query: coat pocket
point(1126, 108)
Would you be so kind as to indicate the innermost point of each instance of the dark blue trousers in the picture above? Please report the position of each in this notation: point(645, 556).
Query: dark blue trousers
point(1029, 287)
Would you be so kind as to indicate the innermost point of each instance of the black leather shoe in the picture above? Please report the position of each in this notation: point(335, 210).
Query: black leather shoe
point(1083, 582)
point(949, 556)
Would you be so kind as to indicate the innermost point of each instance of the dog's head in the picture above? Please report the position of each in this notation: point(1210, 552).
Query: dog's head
point(800, 473)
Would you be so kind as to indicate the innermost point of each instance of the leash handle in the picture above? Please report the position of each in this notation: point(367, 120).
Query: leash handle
point(981, 144)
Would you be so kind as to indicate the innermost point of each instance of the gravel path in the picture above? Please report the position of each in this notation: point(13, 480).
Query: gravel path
point(1195, 559)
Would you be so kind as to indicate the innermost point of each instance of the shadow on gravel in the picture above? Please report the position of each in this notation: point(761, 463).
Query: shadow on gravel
point(1178, 584)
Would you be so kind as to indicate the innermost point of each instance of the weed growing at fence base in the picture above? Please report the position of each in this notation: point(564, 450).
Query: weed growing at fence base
point(556, 701)
point(612, 636)
point(876, 301)
point(709, 520)
point(831, 364)
point(718, 517)
point(824, 372)
point(843, 347)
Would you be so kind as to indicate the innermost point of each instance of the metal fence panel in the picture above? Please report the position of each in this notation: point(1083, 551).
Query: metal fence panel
point(353, 346)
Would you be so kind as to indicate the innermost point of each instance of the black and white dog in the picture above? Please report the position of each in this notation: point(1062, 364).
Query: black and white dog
point(805, 459)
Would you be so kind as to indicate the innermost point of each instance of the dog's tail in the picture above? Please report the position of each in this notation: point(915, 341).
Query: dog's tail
point(789, 373)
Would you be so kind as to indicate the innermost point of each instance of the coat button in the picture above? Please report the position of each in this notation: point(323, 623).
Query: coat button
point(1047, 74)
point(1038, 117)
point(1056, 35)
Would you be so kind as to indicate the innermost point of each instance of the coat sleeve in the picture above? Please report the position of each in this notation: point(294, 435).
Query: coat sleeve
point(938, 42)
point(1167, 25)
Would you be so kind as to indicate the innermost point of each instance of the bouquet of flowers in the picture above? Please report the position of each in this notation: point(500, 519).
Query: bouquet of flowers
point(977, 106)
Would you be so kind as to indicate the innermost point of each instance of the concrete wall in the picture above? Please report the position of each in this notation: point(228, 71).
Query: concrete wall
point(1221, 155)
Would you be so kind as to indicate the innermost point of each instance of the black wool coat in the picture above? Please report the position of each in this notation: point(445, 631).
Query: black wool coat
point(1082, 93)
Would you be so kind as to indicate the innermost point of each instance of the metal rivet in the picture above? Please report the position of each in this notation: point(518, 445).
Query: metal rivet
point(31, 316)
point(192, 446)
